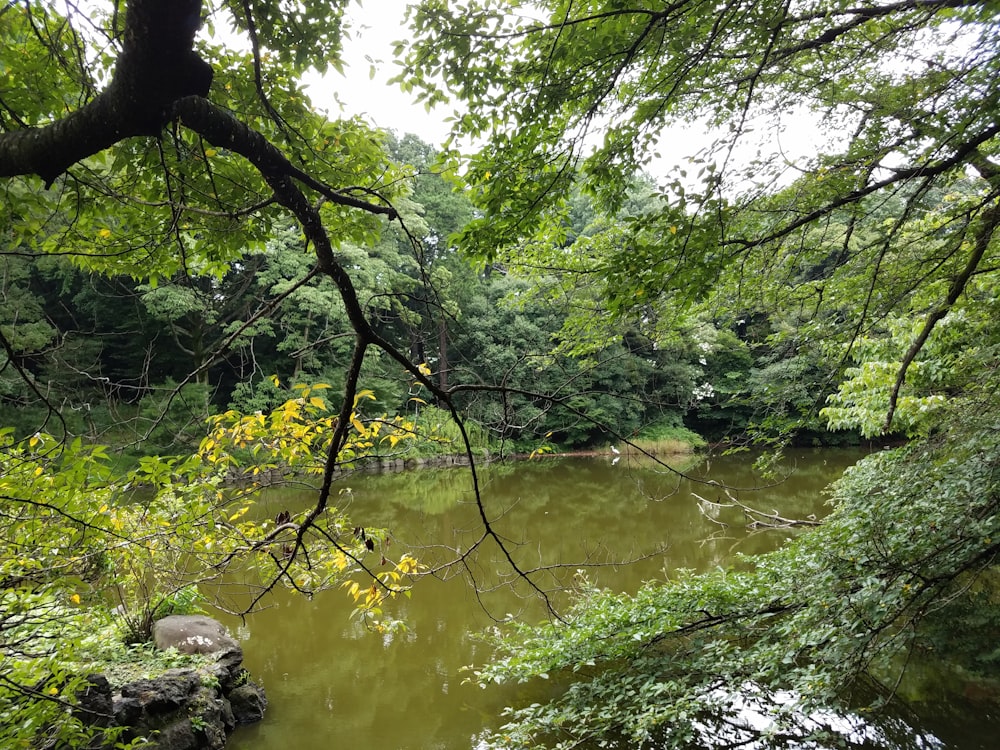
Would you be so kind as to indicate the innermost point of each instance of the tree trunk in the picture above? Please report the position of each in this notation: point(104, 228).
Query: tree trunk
point(442, 354)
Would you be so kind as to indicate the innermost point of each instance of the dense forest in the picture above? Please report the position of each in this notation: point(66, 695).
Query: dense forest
point(141, 363)
point(206, 282)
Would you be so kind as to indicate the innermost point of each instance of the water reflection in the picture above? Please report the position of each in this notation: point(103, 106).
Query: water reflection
point(755, 717)
point(332, 683)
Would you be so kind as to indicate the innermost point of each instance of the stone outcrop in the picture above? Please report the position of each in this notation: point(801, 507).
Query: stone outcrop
point(193, 634)
point(185, 708)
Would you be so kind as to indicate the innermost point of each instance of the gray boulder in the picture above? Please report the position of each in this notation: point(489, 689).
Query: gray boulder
point(193, 634)
point(190, 709)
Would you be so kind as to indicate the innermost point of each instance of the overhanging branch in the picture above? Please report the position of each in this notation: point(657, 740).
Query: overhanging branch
point(983, 236)
point(156, 67)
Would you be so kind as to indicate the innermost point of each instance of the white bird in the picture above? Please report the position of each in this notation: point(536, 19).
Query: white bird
point(615, 450)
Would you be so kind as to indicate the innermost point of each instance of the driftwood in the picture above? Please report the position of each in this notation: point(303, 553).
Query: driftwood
point(755, 518)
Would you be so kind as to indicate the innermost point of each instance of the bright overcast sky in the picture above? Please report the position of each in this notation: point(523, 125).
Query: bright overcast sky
point(374, 26)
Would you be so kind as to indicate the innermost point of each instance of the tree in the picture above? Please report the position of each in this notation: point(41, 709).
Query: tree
point(136, 152)
point(167, 181)
point(141, 152)
point(904, 90)
point(870, 263)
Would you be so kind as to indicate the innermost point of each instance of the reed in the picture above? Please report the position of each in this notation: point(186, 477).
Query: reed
point(661, 440)
point(658, 447)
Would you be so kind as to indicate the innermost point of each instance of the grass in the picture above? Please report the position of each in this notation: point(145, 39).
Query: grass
point(659, 447)
point(663, 440)
point(102, 648)
point(145, 661)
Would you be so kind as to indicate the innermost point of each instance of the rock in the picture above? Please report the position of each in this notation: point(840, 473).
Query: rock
point(95, 708)
point(184, 709)
point(179, 735)
point(228, 668)
point(248, 703)
point(192, 634)
point(168, 692)
point(94, 703)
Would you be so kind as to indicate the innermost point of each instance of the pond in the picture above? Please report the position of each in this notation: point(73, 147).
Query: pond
point(332, 683)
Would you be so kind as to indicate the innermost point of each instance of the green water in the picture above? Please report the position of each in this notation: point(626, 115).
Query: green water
point(331, 683)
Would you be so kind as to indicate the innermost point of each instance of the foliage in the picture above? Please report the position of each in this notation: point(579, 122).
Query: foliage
point(172, 420)
point(857, 274)
point(213, 230)
point(538, 80)
point(78, 534)
point(793, 631)
point(889, 210)
point(943, 368)
point(44, 634)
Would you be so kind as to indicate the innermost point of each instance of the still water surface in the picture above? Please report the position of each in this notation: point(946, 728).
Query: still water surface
point(331, 683)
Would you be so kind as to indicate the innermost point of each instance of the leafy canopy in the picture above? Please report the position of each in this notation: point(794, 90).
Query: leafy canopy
point(869, 263)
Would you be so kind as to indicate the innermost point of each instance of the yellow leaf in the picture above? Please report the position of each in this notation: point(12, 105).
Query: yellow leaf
point(240, 512)
point(353, 588)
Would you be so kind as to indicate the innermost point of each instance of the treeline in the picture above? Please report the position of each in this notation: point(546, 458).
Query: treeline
point(141, 362)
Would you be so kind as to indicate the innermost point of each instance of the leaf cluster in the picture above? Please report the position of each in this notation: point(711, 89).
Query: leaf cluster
point(791, 633)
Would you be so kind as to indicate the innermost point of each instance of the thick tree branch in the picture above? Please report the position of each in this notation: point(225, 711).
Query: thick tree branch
point(157, 66)
point(983, 236)
point(862, 15)
point(222, 129)
point(965, 153)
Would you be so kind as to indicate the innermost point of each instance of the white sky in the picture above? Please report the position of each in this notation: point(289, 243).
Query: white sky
point(374, 26)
